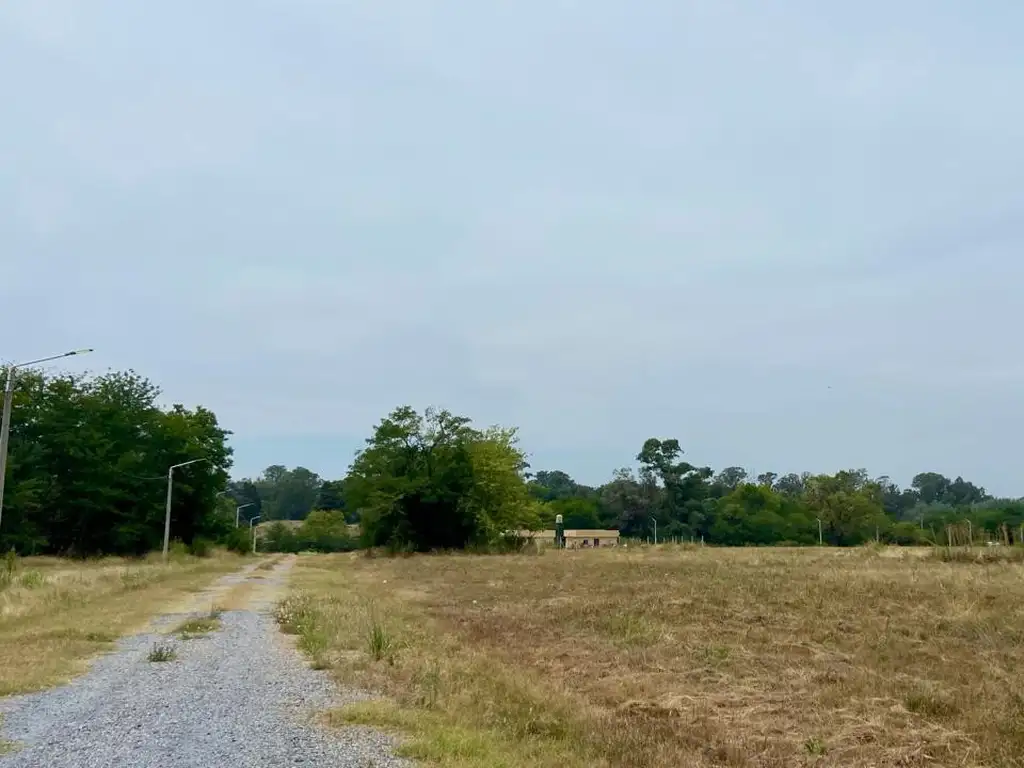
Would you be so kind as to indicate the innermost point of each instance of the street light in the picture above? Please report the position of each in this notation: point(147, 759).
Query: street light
point(239, 509)
point(655, 521)
point(251, 521)
point(5, 423)
point(167, 515)
point(819, 531)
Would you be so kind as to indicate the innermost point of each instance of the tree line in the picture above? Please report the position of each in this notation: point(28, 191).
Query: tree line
point(89, 456)
point(432, 480)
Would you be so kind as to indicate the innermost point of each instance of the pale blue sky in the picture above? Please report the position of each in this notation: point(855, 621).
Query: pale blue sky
point(787, 234)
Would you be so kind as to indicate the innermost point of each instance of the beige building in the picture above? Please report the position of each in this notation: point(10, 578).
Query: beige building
point(579, 538)
point(574, 538)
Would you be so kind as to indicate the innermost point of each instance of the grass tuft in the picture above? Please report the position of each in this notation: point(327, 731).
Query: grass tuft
point(380, 643)
point(6, 747)
point(161, 652)
point(198, 626)
point(31, 580)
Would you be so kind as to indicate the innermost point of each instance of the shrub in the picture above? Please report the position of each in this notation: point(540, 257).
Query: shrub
point(239, 541)
point(178, 550)
point(8, 568)
point(201, 547)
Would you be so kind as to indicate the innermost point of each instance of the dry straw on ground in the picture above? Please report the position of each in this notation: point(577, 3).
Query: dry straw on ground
point(56, 614)
point(669, 657)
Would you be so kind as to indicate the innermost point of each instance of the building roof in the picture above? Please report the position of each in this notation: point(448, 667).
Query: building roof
point(593, 533)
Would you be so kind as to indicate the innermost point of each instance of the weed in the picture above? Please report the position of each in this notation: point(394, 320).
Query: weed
point(134, 579)
point(162, 652)
point(31, 580)
point(380, 643)
point(930, 704)
point(6, 747)
point(198, 626)
point(815, 746)
point(8, 568)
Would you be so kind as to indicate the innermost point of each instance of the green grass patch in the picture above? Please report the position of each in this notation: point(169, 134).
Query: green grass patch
point(199, 625)
point(431, 738)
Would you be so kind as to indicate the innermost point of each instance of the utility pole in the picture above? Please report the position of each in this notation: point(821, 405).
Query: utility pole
point(5, 420)
point(655, 521)
point(167, 511)
point(820, 542)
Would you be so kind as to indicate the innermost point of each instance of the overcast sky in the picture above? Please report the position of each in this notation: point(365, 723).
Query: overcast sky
point(788, 234)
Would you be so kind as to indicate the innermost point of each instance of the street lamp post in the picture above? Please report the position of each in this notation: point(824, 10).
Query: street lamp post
point(167, 512)
point(819, 531)
point(239, 509)
point(252, 521)
point(5, 422)
point(655, 521)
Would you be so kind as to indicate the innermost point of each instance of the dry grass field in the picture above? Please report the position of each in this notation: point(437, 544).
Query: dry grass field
point(671, 656)
point(56, 614)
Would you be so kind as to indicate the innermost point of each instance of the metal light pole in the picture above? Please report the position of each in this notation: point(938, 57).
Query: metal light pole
point(239, 509)
point(252, 520)
point(5, 422)
point(655, 521)
point(819, 531)
point(167, 514)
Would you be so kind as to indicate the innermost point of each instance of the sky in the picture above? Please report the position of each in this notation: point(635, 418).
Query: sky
point(787, 234)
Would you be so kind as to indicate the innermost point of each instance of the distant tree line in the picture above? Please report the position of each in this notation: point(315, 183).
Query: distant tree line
point(434, 481)
point(89, 459)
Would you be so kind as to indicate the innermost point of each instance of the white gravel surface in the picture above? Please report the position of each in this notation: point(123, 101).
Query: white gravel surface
point(241, 696)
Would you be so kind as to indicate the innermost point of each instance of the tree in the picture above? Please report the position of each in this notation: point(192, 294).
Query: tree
point(88, 466)
point(288, 494)
point(931, 487)
point(791, 484)
point(686, 507)
point(730, 478)
point(627, 503)
point(848, 504)
point(331, 495)
point(433, 482)
point(750, 514)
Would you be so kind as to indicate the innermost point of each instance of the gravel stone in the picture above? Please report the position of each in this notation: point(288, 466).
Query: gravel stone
point(240, 696)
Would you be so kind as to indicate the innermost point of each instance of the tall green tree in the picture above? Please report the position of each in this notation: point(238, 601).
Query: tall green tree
point(434, 482)
point(848, 504)
point(88, 466)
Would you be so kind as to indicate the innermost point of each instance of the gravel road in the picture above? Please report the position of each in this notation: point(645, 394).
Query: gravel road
point(240, 696)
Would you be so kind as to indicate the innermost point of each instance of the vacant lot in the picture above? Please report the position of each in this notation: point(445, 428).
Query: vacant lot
point(671, 657)
point(55, 614)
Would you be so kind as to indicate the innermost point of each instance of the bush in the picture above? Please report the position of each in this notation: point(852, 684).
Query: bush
point(321, 531)
point(239, 541)
point(201, 547)
point(907, 534)
point(178, 550)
